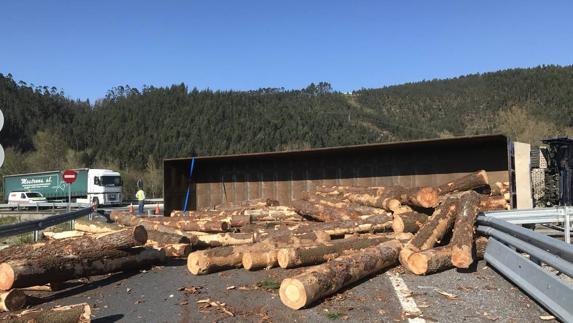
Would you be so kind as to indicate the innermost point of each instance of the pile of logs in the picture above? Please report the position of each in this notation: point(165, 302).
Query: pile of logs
point(340, 233)
point(28, 266)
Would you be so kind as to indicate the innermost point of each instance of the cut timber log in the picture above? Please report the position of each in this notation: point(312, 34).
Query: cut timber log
point(318, 253)
point(208, 261)
point(216, 259)
point(274, 214)
point(79, 313)
point(177, 249)
point(86, 225)
point(338, 228)
point(323, 213)
point(62, 235)
point(439, 259)
point(344, 204)
point(266, 257)
point(465, 183)
point(323, 280)
point(499, 188)
point(490, 203)
point(123, 239)
point(432, 231)
point(12, 300)
point(128, 219)
point(48, 269)
point(167, 238)
point(408, 222)
point(253, 260)
point(224, 239)
point(188, 224)
point(463, 238)
point(341, 190)
point(386, 197)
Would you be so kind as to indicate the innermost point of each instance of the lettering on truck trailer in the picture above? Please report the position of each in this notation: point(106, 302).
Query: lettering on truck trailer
point(31, 183)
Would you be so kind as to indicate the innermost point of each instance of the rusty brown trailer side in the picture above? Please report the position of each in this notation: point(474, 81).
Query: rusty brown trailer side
point(285, 175)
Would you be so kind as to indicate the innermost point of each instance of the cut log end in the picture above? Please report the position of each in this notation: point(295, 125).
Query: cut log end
point(427, 197)
point(293, 293)
point(197, 263)
point(418, 263)
point(461, 257)
point(7, 277)
point(140, 234)
point(285, 257)
point(12, 300)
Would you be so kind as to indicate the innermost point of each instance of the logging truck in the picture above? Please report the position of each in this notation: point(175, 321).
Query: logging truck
point(98, 186)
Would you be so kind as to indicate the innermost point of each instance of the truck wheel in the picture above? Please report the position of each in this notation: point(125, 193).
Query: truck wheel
point(95, 202)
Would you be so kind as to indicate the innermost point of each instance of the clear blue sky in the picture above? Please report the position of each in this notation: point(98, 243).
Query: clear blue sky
point(87, 47)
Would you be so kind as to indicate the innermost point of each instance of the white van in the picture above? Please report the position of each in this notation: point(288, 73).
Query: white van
point(26, 198)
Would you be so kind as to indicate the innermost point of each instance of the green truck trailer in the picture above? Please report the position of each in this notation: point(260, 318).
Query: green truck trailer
point(101, 186)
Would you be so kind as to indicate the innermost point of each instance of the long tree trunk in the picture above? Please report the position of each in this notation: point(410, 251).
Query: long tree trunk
point(123, 239)
point(408, 222)
point(491, 203)
point(385, 197)
point(85, 225)
point(79, 313)
point(318, 253)
point(323, 280)
point(216, 259)
point(434, 230)
point(12, 300)
point(344, 204)
point(274, 214)
point(177, 250)
point(465, 183)
point(166, 238)
point(49, 268)
point(224, 239)
point(267, 258)
point(128, 219)
point(463, 238)
point(188, 224)
point(323, 213)
point(334, 191)
point(439, 259)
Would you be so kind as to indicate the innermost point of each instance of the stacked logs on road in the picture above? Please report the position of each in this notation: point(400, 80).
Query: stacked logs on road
point(58, 260)
point(342, 234)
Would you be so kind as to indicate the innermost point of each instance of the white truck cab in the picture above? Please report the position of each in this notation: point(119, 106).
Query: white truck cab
point(26, 198)
point(104, 187)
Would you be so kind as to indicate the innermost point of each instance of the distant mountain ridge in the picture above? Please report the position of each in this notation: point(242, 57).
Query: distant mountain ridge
point(129, 126)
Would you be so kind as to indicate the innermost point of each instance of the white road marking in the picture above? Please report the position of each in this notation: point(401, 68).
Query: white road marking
point(404, 297)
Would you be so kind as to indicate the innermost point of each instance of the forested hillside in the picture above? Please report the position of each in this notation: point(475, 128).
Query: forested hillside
point(133, 129)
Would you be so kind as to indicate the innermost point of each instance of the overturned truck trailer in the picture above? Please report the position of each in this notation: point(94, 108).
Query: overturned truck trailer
point(283, 176)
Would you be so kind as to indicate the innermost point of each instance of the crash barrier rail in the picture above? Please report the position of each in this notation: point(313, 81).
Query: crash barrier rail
point(42, 205)
point(553, 215)
point(505, 252)
point(35, 226)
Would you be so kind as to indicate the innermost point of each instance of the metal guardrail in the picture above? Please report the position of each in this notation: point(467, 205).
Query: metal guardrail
point(558, 214)
point(505, 251)
point(7, 230)
point(43, 205)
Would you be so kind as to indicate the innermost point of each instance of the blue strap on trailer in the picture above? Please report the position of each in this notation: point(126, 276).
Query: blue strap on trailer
point(189, 184)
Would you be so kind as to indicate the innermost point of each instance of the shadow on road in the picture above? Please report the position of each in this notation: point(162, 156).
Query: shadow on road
point(33, 300)
point(108, 319)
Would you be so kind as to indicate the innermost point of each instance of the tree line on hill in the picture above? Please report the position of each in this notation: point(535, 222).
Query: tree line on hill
point(132, 130)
